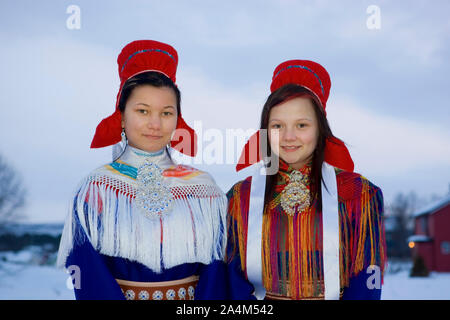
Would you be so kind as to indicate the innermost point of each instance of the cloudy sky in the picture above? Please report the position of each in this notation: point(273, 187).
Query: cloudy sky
point(389, 97)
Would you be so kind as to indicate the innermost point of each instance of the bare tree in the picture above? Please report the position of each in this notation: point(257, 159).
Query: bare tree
point(12, 194)
point(401, 211)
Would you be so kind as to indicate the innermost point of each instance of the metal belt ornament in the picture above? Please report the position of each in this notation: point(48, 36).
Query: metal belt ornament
point(330, 222)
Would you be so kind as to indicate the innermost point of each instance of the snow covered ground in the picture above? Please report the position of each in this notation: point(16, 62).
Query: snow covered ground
point(22, 278)
point(399, 286)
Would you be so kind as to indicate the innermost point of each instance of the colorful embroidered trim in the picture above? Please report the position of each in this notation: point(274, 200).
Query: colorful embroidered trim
point(305, 68)
point(124, 169)
point(146, 50)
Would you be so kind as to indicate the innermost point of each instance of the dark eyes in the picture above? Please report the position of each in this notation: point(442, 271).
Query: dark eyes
point(145, 112)
point(299, 125)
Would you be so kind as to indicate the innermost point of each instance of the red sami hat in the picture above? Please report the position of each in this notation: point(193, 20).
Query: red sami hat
point(138, 57)
point(316, 79)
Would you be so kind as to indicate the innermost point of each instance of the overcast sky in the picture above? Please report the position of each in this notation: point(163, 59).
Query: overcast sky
point(389, 97)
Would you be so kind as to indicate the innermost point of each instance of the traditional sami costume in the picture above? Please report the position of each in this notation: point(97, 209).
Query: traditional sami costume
point(143, 227)
point(286, 247)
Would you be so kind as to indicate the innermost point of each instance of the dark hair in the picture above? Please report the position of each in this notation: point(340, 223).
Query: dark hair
point(286, 92)
point(152, 78)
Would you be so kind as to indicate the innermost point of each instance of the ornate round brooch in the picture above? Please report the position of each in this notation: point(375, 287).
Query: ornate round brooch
point(153, 198)
point(295, 194)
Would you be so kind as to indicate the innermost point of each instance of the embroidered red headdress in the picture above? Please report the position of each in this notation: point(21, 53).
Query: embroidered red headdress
point(316, 79)
point(138, 57)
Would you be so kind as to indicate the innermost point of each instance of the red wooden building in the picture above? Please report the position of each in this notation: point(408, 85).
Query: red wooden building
point(431, 239)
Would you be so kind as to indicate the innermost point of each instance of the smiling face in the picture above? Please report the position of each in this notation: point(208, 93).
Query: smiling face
point(150, 117)
point(293, 131)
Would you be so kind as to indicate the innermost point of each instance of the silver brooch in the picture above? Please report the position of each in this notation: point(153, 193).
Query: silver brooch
point(153, 198)
point(295, 194)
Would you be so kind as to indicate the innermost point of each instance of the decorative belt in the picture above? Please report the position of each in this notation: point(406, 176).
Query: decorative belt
point(182, 289)
point(277, 296)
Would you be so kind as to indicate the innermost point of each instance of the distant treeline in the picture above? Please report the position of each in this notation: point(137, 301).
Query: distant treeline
point(16, 236)
point(14, 242)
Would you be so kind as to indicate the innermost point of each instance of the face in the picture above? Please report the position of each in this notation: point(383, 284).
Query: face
point(150, 117)
point(293, 131)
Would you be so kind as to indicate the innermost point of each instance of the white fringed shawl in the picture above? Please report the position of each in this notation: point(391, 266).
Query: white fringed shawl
point(104, 207)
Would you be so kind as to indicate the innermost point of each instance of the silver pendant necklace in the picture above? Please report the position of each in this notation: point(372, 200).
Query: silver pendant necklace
point(295, 194)
point(153, 198)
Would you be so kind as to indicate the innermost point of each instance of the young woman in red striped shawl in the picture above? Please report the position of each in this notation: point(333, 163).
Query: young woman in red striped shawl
point(313, 229)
